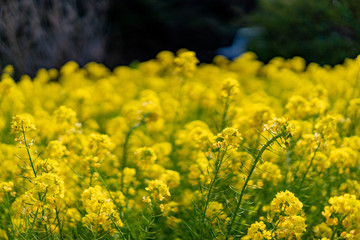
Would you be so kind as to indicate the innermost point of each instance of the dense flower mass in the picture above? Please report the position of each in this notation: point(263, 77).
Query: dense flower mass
point(100, 210)
point(174, 149)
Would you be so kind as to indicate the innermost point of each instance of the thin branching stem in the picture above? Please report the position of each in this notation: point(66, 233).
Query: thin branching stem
point(60, 227)
point(7, 204)
point(124, 158)
point(28, 152)
point(256, 160)
point(150, 222)
point(117, 207)
point(226, 108)
point(336, 227)
point(219, 162)
point(27, 146)
point(308, 168)
point(33, 223)
point(116, 226)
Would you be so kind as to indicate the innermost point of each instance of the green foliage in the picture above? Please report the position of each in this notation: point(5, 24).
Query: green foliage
point(323, 31)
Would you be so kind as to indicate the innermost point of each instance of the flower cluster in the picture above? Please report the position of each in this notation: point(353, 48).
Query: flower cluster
point(228, 138)
point(185, 63)
point(286, 203)
point(280, 126)
point(215, 212)
point(286, 209)
point(22, 123)
point(158, 189)
point(230, 88)
point(285, 218)
point(100, 210)
point(344, 211)
point(173, 149)
point(257, 231)
point(7, 187)
point(145, 157)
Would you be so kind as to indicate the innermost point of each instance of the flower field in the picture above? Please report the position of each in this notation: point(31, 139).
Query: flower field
point(175, 149)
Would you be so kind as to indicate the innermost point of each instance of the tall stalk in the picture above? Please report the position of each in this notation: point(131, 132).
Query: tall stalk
point(218, 164)
point(28, 152)
point(127, 138)
point(308, 168)
point(27, 146)
point(224, 116)
point(256, 160)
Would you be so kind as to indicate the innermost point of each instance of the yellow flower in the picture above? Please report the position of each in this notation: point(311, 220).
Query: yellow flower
point(228, 138)
point(99, 144)
point(322, 230)
point(65, 117)
point(347, 207)
point(286, 203)
point(291, 227)
point(215, 211)
point(9, 69)
point(269, 172)
point(257, 231)
point(52, 185)
point(73, 216)
point(145, 157)
point(354, 108)
point(159, 189)
point(172, 222)
point(280, 126)
point(171, 207)
point(230, 88)
point(6, 187)
point(69, 68)
point(100, 210)
point(185, 63)
point(129, 174)
point(195, 135)
point(22, 122)
point(327, 127)
point(171, 178)
point(55, 149)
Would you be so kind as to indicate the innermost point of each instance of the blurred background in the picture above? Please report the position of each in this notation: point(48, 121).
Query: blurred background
point(46, 33)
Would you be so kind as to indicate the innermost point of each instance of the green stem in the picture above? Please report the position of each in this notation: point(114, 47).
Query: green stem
point(33, 223)
point(117, 227)
point(149, 222)
point(35, 174)
point(90, 183)
point(43, 212)
point(106, 186)
point(28, 152)
point(60, 227)
point(334, 230)
point(8, 206)
point(76, 173)
point(274, 229)
point(117, 207)
point(337, 227)
point(219, 162)
point(257, 158)
point(226, 108)
point(308, 168)
point(124, 158)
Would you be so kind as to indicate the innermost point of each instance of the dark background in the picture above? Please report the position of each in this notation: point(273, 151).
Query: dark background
point(139, 29)
point(46, 33)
